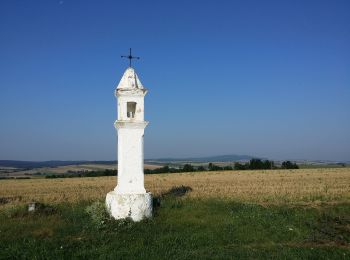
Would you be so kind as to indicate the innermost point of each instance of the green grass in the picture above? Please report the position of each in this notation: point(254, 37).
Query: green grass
point(180, 229)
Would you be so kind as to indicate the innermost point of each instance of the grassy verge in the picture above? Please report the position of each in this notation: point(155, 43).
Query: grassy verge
point(182, 228)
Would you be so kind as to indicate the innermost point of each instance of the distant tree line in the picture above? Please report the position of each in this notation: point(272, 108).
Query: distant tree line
point(12, 177)
point(289, 165)
point(257, 164)
point(167, 169)
point(72, 174)
point(253, 164)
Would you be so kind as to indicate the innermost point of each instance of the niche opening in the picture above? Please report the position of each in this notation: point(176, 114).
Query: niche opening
point(131, 108)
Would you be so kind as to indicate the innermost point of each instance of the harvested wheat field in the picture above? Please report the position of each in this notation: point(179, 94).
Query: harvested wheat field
point(303, 186)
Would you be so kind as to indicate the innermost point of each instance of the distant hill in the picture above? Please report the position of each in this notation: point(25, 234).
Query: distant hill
point(32, 165)
point(160, 161)
point(219, 158)
point(35, 164)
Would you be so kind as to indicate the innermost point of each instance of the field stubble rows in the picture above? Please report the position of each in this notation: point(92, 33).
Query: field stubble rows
point(303, 186)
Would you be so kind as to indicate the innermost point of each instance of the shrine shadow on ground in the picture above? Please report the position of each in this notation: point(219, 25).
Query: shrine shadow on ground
point(174, 192)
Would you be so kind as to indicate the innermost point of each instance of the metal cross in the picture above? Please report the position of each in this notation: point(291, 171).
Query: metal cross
point(130, 57)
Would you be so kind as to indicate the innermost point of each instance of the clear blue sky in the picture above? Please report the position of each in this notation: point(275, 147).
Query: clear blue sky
point(264, 78)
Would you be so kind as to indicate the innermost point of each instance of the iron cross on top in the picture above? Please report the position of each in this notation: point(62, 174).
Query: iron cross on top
point(130, 57)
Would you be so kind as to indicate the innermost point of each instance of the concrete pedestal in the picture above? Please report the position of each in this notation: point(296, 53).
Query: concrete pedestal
point(134, 206)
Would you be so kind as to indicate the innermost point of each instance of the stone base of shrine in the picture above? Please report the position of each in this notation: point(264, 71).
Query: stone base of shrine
point(134, 206)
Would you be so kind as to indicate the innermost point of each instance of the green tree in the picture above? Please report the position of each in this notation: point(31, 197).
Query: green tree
point(188, 168)
point(239, 166)
point(201, 169)
point(213, 167)
point(289, 165)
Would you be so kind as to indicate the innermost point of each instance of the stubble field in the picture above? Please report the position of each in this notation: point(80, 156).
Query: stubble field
point(280, 214)
point(304, 186)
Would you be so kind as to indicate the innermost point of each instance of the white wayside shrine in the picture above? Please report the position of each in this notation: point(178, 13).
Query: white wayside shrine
point(129, 198)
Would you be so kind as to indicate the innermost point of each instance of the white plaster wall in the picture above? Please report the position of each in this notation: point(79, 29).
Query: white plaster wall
point(130, 159)
point(130, 80)
point(130, 135)
point(122, 107)
point(129, 198)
